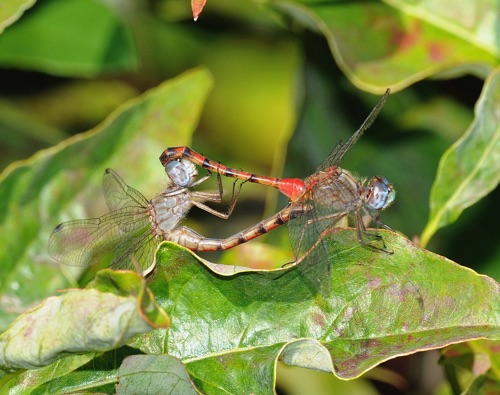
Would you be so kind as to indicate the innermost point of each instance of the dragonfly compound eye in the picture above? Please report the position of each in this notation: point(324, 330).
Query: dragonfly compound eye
point(381, 194)
point(182, 173)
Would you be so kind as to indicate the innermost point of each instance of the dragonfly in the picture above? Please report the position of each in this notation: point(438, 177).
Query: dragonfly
point(135, 226)
point(318, 203)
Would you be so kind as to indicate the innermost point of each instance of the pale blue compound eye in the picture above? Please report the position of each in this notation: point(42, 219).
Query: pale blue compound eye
point(182, 173)
point(381, 193)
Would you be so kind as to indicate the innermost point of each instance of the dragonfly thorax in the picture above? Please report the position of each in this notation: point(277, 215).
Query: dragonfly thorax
point(167, 209)
point(336, 189)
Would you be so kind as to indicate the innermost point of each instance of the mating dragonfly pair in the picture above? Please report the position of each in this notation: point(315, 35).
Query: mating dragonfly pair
point(135, 226)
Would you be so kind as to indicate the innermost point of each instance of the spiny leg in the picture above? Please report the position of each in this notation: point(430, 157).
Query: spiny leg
point(363, 234)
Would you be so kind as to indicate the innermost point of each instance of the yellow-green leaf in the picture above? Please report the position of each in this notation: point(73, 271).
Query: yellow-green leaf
point(80, 321)
point(469, 169)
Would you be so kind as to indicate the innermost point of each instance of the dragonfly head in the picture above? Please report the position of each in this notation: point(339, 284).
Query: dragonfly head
point(182, 172)
point(380, 193)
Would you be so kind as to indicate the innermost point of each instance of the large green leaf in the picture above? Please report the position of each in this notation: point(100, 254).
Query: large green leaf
point(63, 183)
point(469, 169)
point(378, 46)
point(69, 37)
point(117, 307)
point(230, 330)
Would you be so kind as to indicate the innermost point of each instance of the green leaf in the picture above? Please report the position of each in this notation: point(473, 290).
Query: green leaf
point(26, 382)
point(230, 330)
point(159, 374)
point(469, 169)
point(476, 22)
point(474, 366)
point(73, 38)
point(11, 11)
point(378, 46)
point(84, 102)
point(64, 183)
point(124, 283)
point(80, 321)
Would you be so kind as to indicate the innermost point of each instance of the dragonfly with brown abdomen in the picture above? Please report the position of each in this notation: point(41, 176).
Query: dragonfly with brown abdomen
point(134, 227)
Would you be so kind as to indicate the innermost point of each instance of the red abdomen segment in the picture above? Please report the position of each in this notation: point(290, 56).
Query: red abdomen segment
point(291, 187)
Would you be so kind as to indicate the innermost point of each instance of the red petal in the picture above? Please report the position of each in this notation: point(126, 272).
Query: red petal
point(197, 7)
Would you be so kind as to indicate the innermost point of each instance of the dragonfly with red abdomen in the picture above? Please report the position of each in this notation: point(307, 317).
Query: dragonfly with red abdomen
point(291, 187)
point(317, 203)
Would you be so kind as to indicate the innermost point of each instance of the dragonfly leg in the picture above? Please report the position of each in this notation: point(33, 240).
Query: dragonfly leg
point(234, 197)
point(361, 231)
point(216, 197)
point(202, 179)
point(363, 234)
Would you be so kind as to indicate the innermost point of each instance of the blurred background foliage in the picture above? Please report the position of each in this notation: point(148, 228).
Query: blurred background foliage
point(291, 79)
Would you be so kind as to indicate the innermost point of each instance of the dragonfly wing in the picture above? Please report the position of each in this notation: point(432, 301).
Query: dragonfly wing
point(69, 241)
point(307, 232)
point(310, 252)
point(338, 153)
point(86, 242)
point(118, 194)
point(135, 252)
